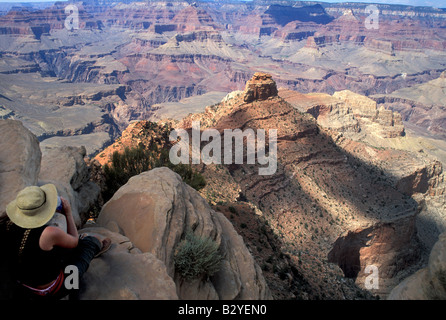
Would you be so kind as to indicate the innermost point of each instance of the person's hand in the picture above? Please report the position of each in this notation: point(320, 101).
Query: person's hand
point(66, 207)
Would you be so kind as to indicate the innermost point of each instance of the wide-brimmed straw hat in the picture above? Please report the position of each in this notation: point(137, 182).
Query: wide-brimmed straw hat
point(33, 207)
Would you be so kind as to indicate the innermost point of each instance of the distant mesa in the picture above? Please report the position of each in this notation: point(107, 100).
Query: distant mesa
point(260, 87)
point(193, 18)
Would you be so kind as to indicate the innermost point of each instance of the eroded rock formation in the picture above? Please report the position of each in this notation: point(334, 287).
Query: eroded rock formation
point(155, 210)
point(346, 111)
point(366, 221)
point(125, 273)
point(260, 87)
point(65, 167)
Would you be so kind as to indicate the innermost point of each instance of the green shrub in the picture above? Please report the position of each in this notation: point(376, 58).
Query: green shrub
point(191, 177)
point(196, 257)
point(134, 161)
point(125, 165)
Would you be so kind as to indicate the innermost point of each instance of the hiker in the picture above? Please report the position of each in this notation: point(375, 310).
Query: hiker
point(38, 253)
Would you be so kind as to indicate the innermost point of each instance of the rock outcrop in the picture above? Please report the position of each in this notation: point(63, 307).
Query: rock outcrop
point(147, 133)
point(65, 167)
point(123, 73)
point(155, 209)
point(260, 87)
point(125, 273)
point(390, 247)
point(348, 112)
point(20, 158)
point(428, 283)
point(366, 111)
point(193, 18)
point(19, 167)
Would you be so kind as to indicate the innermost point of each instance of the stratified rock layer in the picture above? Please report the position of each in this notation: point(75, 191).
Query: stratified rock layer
point(260, 87)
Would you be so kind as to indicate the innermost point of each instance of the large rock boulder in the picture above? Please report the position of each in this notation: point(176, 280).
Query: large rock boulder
point(19, 160)
point(428, 283)
point(124, 273)
point(155, 210)
point(66, 169)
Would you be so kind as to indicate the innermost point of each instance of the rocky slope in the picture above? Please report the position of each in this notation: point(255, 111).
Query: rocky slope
point(316, 222)
point(320, 201)
point(139, 132)
point(84, 87)
point(413, 164)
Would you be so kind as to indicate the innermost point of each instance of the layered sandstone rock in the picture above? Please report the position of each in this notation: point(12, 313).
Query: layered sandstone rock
point(346, 111)
point(260, 87)
point(155, 210)
point(380, 46)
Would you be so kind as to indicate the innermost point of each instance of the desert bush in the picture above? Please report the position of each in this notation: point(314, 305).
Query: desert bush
point(197, 257)
point(136, 160)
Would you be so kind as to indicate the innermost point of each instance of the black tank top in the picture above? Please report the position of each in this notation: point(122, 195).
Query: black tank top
point(32, 265)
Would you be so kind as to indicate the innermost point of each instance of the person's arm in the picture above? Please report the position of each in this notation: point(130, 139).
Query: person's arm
point(71, 226)
point(54, 236)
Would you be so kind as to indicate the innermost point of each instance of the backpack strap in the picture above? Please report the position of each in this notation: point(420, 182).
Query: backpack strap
point(23, 242)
